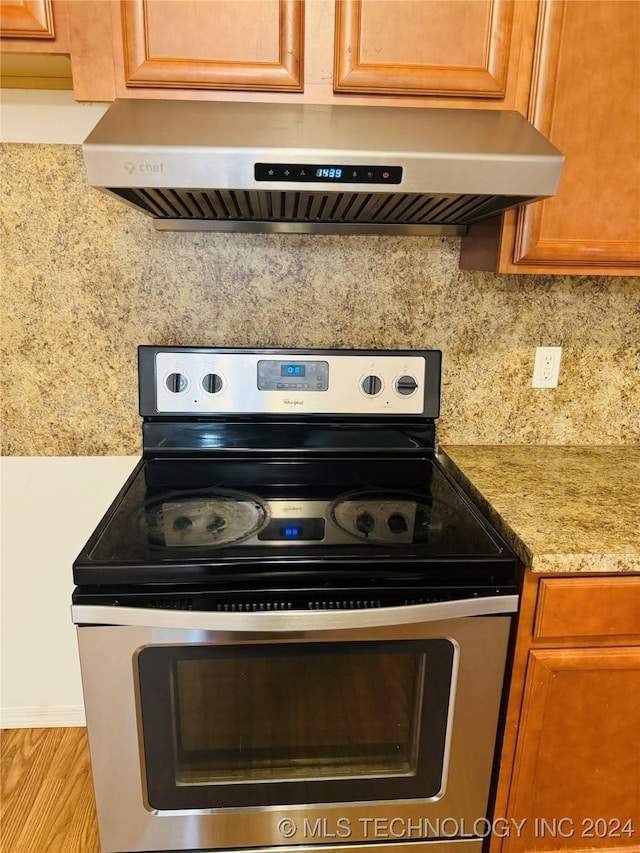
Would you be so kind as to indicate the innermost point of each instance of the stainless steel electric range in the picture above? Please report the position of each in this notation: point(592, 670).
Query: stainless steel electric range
point(293, 624)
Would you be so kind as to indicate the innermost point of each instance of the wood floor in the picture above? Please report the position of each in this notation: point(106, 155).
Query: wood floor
point(46, 799)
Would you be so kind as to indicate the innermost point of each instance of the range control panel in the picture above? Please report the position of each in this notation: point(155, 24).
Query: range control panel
point(191, 381)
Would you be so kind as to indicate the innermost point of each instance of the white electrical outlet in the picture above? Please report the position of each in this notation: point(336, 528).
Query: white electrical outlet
point(547, 367)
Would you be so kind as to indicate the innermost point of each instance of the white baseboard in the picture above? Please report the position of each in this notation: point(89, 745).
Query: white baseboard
point(42, 718)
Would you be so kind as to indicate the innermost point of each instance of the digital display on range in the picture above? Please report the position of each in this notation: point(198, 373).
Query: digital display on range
point(327, 173)
point(292, 370)
point(299, 376)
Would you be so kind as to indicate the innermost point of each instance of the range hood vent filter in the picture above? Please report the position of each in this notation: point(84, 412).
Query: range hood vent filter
point(207, 166)
point(359, 210)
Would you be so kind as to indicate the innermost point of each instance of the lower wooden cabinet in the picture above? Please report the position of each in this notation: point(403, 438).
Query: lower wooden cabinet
point(576, 777)
point(570, 775)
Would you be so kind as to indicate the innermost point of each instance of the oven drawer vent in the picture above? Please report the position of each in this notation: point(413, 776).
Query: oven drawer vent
point(170, 603)
point(252, 606)
point(345, 605)
point(265, 606)
point(261, 601)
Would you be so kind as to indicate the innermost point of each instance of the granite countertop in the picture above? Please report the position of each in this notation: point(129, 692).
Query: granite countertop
point(562, 509)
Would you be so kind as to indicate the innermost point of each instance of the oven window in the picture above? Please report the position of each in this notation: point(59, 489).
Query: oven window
point(262, 719)
point(320, 718)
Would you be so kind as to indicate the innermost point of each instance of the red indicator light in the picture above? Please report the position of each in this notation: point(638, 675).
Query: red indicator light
point(385, 174)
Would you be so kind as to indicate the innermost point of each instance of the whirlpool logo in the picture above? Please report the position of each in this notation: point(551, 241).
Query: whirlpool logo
point(289, 402)
point(130, 167)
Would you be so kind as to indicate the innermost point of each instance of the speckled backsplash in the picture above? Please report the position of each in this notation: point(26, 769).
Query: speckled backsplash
point(85, 280)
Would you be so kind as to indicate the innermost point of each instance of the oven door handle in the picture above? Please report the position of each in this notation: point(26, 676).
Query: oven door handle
point(281, 621)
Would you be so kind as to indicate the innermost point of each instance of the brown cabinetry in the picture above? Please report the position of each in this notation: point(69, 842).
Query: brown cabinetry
point(465, 49)
point(574, 778)
point(34, 40)
point(577, 773)
point(584, 98)
point(221, 44)
point(471, 52)
point(34, 26)
point(185, 48)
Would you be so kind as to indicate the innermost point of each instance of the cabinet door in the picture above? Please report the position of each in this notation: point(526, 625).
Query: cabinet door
point(430, 48)
point(256, 44)
point(577, 764)
point(33, 25)
point(585, 100)
point(169, 48)
point(32, 19)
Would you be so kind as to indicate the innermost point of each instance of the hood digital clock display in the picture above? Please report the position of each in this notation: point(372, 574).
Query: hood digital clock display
point(327, 173)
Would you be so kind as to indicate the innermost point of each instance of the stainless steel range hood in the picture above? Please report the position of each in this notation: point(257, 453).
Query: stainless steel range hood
point(220, 166)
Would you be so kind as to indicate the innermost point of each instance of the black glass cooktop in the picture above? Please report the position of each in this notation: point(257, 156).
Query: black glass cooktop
point(186, 520)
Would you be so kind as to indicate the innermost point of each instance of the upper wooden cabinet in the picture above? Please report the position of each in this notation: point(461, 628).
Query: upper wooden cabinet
point(34, 26)
point(584, 98)
point(27, 19)
point(185, 48)
point(433, 48)
point(223, 44)
point(467, 53)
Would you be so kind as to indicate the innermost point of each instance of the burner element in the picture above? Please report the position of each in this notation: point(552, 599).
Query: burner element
point(208, 520)
point(382, 517)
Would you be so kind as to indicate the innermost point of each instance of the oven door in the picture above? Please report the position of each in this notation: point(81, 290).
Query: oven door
point(217, 730)
point(282, 723)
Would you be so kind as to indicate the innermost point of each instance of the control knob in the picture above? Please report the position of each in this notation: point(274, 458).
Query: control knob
point(176, 382)
point(371, 385)
point(406, 385)
point(365, 523)
point(397, 523)
point(212, 383)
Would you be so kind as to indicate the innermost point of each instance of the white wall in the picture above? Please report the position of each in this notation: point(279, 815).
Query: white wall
point(49, 508)
point(40, 116)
